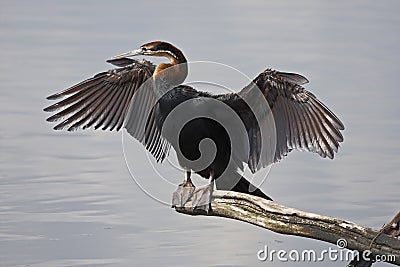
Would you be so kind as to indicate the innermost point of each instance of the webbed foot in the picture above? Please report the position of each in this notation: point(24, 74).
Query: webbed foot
point(201, 200)
point(183, 194)
point(187, 196)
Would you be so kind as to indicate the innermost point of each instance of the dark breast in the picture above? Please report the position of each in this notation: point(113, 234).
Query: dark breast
point(201, 143)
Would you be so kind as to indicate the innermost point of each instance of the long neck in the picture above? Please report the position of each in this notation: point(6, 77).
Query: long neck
point(169, 75)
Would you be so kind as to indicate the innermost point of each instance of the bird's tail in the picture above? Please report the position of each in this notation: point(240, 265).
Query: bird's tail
point(242, 185)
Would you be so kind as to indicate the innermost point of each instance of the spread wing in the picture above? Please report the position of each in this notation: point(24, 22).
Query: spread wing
point(302, 121)
point(103, 101)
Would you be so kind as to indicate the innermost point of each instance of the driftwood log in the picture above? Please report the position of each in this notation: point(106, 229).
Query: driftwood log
point(285, 220)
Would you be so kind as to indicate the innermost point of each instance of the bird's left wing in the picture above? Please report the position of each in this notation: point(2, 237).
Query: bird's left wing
point(103, 101)
point(301, 120)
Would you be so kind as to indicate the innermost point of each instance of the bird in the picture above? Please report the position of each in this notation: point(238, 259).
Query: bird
point(275, 112)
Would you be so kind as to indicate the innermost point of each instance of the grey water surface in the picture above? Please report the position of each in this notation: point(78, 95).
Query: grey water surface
point(67, 199)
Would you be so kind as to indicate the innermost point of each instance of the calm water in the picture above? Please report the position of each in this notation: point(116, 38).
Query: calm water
point(67, 199)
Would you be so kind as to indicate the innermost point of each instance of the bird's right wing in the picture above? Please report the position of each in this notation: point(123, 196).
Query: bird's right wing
point(110, 99)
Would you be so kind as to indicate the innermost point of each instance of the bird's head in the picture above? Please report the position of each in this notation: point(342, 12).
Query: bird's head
point(174, 72)
point(156, 49)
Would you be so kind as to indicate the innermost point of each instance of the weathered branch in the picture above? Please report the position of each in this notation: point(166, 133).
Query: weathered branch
point(393, 227)
point(290, 221)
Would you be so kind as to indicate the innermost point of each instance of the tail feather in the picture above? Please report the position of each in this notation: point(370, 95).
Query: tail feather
point(242, 185)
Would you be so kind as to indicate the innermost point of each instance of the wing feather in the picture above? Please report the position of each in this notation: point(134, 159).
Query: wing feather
point(302, 121)
point(110, 99)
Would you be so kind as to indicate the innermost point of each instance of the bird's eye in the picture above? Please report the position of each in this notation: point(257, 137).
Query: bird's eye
point(144, 48)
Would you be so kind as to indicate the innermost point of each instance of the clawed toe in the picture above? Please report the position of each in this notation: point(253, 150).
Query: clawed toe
point(182, 195)
point(202, 197)
point(198, 199)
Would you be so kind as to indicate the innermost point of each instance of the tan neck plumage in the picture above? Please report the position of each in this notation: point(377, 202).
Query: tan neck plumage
point(175, 72)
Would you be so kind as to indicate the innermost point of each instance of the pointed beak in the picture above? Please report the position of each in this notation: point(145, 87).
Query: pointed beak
point(128, 54)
